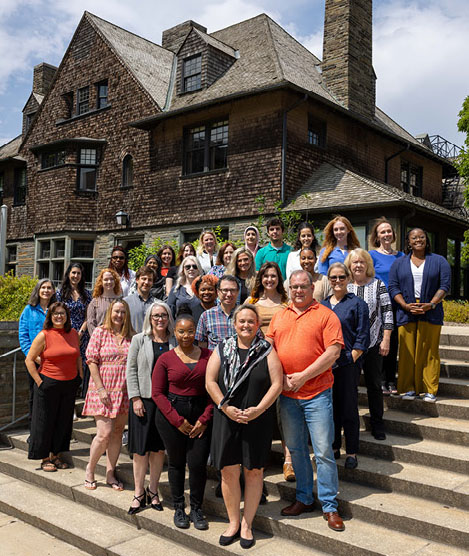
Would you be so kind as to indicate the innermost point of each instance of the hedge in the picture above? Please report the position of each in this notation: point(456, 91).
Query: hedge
point(14, 295)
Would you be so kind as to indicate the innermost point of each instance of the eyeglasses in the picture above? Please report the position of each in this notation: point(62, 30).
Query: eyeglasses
point(61, 315)
point(162, 316)
point(118, 258)
point(341, 277)
point(190, 267)
point(226, 291)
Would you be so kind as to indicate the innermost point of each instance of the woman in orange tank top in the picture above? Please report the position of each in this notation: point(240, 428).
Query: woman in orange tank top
point(57, 380)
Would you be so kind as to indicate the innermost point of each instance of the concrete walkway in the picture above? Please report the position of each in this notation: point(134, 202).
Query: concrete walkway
point(20, 539)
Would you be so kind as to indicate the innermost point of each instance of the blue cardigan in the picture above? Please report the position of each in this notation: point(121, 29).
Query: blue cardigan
point(354, 317)
point(436, 276)
point(31, 322)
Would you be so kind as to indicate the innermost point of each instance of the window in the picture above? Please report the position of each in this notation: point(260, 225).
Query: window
point(101, 90)
point(68, 103)
point(11, 259)
point(82, 248)
point(19, 197)
point(127, 171)
point(2, 185)
point(206, 148)
point(411, 179)
point(87, 169)
point(83, 100)
point(316, 132)
point(50, 160)
point(29, 119)
point(192, 73)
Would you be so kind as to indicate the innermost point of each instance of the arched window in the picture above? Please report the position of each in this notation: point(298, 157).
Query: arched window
point(127, 171)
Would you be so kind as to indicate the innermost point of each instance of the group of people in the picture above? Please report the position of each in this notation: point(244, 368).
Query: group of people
point(202, 353)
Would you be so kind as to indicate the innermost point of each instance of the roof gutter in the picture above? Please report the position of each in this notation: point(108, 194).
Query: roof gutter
point(284, 144)
point(389, 158)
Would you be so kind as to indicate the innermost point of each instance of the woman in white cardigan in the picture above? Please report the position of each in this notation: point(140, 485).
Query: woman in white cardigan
point(144, 440)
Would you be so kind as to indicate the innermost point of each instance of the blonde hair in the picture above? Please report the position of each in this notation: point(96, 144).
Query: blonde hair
point(182, 280)
point(330, 241)
point(99, 288)
point(362, 254)
point(126, 331)
point(200, 247)
point(232, 268)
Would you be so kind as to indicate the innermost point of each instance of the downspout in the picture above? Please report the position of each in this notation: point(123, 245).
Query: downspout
point(284, 144)
point(386, 161)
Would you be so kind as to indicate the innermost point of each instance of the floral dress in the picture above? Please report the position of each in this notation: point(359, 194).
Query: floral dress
point(111, 359)
point(78, 317)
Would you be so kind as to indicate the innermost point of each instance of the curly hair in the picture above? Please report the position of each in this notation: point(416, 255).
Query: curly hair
point(99, 288)
point(360, 254)
point(408, 248)
point(208, 279)
point(330, 241)
point(258, 288)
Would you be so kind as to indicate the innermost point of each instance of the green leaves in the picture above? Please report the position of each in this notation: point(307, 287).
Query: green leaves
point(14, 295)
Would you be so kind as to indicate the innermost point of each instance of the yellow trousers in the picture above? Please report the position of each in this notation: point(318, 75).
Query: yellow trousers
point(419, 357)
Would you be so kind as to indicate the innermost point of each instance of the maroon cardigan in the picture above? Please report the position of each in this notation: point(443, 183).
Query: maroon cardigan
point(171, 375)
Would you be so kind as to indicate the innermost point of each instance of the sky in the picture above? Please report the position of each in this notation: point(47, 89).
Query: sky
point(419, 47)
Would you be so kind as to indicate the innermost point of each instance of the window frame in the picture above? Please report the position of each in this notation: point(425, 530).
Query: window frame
point(102, 101)
point(127, 171)
point(209, 151)
point(317, 127)
point(81, 166)
point(57, 158)
point(83, 103)
point(20, 190)
point(412, 170)
point(189, 74)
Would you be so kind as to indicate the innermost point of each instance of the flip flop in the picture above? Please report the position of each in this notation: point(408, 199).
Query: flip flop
point(48, 466)
point(91, 485)
point(116, 485)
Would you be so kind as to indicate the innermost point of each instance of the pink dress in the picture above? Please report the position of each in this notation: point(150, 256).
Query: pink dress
point(111, 359)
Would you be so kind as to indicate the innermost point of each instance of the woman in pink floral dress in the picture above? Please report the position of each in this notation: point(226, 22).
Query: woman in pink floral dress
point(107, 398)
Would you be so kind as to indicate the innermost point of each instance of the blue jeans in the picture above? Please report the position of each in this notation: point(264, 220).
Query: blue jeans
point(314, 416)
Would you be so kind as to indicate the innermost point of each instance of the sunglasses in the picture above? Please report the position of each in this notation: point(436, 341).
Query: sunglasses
point(190, 266)
point(341, 277)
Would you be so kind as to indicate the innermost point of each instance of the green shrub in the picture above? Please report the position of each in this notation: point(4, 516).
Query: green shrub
point(14, 295)
point(138, 254)
point(456, 311)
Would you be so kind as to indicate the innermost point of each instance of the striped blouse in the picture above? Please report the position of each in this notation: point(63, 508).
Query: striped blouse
point(377, 298)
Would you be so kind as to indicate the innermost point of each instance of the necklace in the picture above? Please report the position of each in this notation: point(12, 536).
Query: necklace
point(384, 251)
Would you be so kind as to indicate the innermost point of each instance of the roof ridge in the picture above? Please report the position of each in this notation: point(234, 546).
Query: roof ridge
point(10, 141)
point(277, 57)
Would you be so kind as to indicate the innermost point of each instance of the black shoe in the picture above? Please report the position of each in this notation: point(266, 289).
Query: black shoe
point(247, 543)
point(225, 540)
point(198, 519)
point(181, 519)
point(142, 499)
point(379, 435)
point(218, 492)
point(151, 497)
point(336, 454)
point(351, 462)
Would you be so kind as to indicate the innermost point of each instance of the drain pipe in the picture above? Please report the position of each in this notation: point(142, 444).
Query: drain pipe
point(386, 161)
point(3, 237)
point(284, 144)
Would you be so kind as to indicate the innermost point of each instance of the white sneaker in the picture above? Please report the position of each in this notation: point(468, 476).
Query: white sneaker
point(408, 395)
point(429, 398)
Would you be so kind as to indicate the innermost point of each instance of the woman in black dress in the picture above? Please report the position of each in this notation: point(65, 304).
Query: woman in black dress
point(244, 378)
point(145, 442)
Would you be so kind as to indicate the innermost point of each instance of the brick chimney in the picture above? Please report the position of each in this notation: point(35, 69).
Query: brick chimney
point(174, 37)
point(347, 68)
point(43, 76)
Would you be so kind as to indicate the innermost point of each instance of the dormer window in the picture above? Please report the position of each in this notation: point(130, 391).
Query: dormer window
point(192, 73)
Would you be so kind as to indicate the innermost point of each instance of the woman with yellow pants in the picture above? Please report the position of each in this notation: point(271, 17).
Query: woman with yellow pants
point(418, 283)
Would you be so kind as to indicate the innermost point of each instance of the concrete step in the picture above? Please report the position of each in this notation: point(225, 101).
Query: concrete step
point(87, 529)
point(442, 429)
point(454, 336)
point(396, 511)
point(459, 353)
point(454, 387)
point(275, 535)
point(444, 407)
point(453, 368)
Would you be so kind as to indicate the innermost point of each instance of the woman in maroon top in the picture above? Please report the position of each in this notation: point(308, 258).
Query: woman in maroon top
point(184, 418)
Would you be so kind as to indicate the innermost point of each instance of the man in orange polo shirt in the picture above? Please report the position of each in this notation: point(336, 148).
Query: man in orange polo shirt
point(308, 340)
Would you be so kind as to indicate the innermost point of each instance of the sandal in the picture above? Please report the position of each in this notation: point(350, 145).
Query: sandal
point(48, 466)
point(59, 463)
point(152, 496)
point(91, 485)
point(116, 485)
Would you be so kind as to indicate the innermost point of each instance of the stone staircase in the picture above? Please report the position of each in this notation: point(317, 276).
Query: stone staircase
point(408, 496)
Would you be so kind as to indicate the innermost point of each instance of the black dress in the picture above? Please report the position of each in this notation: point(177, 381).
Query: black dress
point(143, 434)
point(234, 443)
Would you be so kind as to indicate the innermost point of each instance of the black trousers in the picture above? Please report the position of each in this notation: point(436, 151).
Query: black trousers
point(390, 361)
point(372, 364)
point(181, 450)
point(52, 417)
point(31, 384)
point(345, 407)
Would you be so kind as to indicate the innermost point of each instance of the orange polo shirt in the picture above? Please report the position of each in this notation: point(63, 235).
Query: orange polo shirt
point(300, 339)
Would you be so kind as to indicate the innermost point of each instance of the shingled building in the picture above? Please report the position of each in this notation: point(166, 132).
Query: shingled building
point(190, 133)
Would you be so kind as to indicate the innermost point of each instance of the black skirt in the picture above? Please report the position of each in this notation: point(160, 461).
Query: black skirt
point(249, 445)
point(143, 434)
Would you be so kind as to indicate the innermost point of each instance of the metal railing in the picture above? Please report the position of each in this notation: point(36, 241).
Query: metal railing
point(14, 420)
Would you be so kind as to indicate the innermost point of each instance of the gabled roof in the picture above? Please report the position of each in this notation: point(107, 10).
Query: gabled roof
point(332, 184)
point(215, 43)
point(149, 63)
point(10, 149)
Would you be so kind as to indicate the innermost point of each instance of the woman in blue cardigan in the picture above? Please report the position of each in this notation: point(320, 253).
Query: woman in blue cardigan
point(418, 283)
